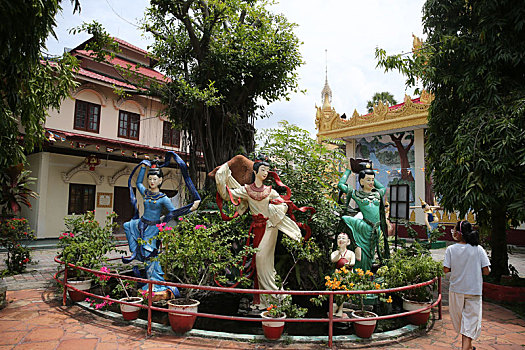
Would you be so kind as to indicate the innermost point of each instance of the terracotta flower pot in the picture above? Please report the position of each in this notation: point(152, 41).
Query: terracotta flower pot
point(182, 323)
point(365, 328)
point(130, 312)
point(80, 285)
point(421, 317)
point(272, 330)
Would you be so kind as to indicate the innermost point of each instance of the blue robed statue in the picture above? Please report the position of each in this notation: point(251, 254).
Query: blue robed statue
point(145, 227)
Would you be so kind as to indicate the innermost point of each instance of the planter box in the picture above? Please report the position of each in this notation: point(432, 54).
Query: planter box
point(503, 293)
point(272, 330)
point(435, 245)
point(80, 285)
point(419, 318)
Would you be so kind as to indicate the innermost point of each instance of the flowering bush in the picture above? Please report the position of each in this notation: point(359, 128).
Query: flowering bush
point(282, 305)
point(198, 250)
point(99, 306)
point(15, 234)
point(85, 242)
point(347, 280)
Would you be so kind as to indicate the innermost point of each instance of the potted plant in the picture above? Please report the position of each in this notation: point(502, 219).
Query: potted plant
point(281, 307)
point(358, 280)
point(85, 243)
point(196, 251)
point(130, 312)
point(413, 267)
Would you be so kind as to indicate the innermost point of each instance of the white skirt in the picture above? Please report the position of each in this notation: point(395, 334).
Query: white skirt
point(465, 313)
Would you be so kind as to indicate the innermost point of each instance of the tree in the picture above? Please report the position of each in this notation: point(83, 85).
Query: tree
point(225, 60)
point(473, 61)
point(384, 97)
point(29, 84)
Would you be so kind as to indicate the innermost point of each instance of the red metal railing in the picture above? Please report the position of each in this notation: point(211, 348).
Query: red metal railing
point(330, 320)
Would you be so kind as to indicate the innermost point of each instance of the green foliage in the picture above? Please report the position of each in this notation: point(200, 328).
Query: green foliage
point(384, 97)
point(351, 280)
point(312, 171)
point(408, 267)
point(29, 83)
point(200, 248)
point(85, 242)
point(473, 62)
point(15, 183)
point(226, 61)
point(282, 304)
point(15, 234)
point(101, 44)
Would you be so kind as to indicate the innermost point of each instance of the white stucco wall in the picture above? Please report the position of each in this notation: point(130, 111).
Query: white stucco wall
point(47, 215)
point(151, 124)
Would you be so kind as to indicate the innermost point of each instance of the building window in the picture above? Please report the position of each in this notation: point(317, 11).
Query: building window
point(81, 198)
point(87, 116)
point(128, 125)
point(170, 136)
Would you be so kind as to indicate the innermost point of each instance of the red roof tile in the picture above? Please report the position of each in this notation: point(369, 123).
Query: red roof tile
point(101, 77)
point(116, 144)
point(117, 61)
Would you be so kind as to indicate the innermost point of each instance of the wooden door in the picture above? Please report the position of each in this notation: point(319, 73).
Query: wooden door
point(122, 206)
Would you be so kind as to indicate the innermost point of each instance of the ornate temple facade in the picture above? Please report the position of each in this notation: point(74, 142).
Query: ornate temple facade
point(393, 137)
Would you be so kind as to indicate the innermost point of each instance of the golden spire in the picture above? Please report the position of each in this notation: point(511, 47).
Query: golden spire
point(326, 93)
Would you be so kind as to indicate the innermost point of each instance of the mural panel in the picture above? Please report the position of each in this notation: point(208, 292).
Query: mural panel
point(393, 158)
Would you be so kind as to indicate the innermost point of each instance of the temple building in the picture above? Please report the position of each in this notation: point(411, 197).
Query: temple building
point(393, 138)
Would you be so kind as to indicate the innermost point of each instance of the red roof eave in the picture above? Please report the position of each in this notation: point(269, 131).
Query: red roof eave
point(117, 144)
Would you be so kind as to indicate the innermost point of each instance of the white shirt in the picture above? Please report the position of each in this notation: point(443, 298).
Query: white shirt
point(465, 263)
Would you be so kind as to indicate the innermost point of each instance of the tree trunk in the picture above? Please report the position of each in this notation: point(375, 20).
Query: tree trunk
point(403, 156)
point(498, 244)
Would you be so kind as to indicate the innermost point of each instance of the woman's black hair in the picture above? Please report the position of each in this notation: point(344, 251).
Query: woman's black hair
point(256, 167)
point(469, 236)
point(366, 169)
point(156, 171)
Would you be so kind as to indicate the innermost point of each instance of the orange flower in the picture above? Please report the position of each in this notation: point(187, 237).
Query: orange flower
point(389, 300)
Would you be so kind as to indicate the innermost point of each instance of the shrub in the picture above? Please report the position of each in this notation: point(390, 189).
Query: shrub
point(85, 242)
point(15, 234)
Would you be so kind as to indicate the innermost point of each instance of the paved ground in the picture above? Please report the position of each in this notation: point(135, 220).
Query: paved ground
point(35, 319)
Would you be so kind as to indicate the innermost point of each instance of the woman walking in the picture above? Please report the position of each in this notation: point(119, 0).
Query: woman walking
point(466, 261)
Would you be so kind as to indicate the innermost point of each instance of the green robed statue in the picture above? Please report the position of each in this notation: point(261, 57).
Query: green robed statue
point(366, 231)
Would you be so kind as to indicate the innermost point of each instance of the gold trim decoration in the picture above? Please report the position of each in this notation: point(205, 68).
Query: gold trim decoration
point(407, 114)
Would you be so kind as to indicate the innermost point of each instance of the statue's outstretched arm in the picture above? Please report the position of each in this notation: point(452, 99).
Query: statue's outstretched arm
point(342, 183)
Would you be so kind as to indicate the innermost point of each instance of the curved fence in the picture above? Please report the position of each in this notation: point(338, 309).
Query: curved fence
point(330, 319)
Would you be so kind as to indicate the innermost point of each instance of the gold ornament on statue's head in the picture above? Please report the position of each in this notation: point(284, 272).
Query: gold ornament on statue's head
point(424, 204)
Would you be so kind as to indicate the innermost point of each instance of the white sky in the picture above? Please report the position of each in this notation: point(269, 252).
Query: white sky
point(350, 30)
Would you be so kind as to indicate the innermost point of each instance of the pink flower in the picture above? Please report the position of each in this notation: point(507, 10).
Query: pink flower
point(180, 219)
point(87, 300)
point(103, 277)
point(71, 234)
point(198, 227)
point(169, 228)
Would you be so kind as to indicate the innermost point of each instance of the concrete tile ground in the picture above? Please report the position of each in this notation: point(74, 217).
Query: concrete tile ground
point(36, 319)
